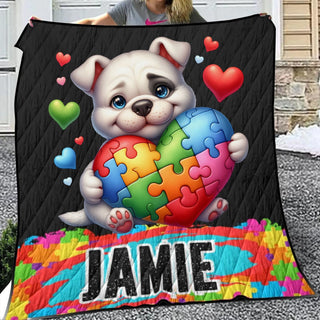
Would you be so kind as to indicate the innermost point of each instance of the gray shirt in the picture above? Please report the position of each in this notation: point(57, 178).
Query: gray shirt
point(135, 12)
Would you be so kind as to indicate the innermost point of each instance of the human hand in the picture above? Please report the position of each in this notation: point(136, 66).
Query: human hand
point(30, 20)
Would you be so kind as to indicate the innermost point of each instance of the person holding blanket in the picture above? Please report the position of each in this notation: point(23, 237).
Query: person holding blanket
point(146, 12)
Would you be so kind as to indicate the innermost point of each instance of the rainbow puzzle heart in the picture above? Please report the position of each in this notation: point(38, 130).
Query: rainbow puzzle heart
point(171, 183)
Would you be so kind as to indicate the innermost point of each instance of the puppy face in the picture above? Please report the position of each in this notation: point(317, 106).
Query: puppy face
point(139, 92)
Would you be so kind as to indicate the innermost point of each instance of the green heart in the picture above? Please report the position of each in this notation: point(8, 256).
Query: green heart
point(64, 114)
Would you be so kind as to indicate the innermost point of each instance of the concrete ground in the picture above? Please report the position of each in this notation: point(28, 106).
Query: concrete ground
point(299, 177)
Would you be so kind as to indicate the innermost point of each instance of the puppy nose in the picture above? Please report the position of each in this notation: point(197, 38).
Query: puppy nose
point(142, 107)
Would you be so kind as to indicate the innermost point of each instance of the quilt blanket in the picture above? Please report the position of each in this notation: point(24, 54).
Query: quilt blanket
point(146, 168)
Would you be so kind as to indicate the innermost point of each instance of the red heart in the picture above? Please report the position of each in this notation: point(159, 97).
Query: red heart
point(222, 84)
point(63, 58)
point(210, 45)
point(79, 140)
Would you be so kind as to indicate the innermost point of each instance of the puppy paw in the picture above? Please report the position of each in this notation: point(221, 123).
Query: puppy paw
point(238, 147)
point(120, 220)
point(90, 187)
point(214, 210)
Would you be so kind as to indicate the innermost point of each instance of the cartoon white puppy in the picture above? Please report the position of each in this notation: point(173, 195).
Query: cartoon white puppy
point(137, 93)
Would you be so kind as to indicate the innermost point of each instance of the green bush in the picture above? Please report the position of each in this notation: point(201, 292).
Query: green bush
point(7, 253)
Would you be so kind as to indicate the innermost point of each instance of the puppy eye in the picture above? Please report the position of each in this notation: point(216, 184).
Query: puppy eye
point(119, 102)
point(162, 91)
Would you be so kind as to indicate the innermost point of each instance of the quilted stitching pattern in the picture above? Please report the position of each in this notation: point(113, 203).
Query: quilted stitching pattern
point(253, 189)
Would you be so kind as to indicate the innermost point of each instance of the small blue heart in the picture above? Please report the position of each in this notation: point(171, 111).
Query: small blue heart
point(67, 160)
point(67, 181)
point(199, 59)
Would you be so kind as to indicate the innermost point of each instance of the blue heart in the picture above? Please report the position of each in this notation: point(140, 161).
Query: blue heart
point(67, 181)
point(67, 160)
point(199, 59)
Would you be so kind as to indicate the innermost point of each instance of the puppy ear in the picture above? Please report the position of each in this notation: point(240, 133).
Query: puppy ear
point(176, 52)
point(85, 76)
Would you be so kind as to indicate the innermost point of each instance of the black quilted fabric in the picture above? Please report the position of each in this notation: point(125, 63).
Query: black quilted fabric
point(246, 43)
point(58, 272)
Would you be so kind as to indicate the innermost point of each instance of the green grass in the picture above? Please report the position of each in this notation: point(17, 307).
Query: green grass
point(7, 253)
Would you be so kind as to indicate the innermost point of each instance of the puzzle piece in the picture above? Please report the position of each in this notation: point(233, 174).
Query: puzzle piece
point(229, 163)
point(223, 124)
point(200, 135)
point(129, 142)
point(171, 150)
point(293, 288)
point(124, 193)
point(213, 189)
point(210, 144)
point(199, 144)
point(220, 168)
point(146, 155)
point(162, 213)
point(104, 154)
point(141, 199)
point(108, 150)
point(184, 118)
point(166, 138)
point(195, 111)
point(283, 270)
point(273, 289)
point(189, 198)
point(171, 182)
point(23, 271)
point(153, 212)
point(113, 182)
point(184, 215)
point(202, 171)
